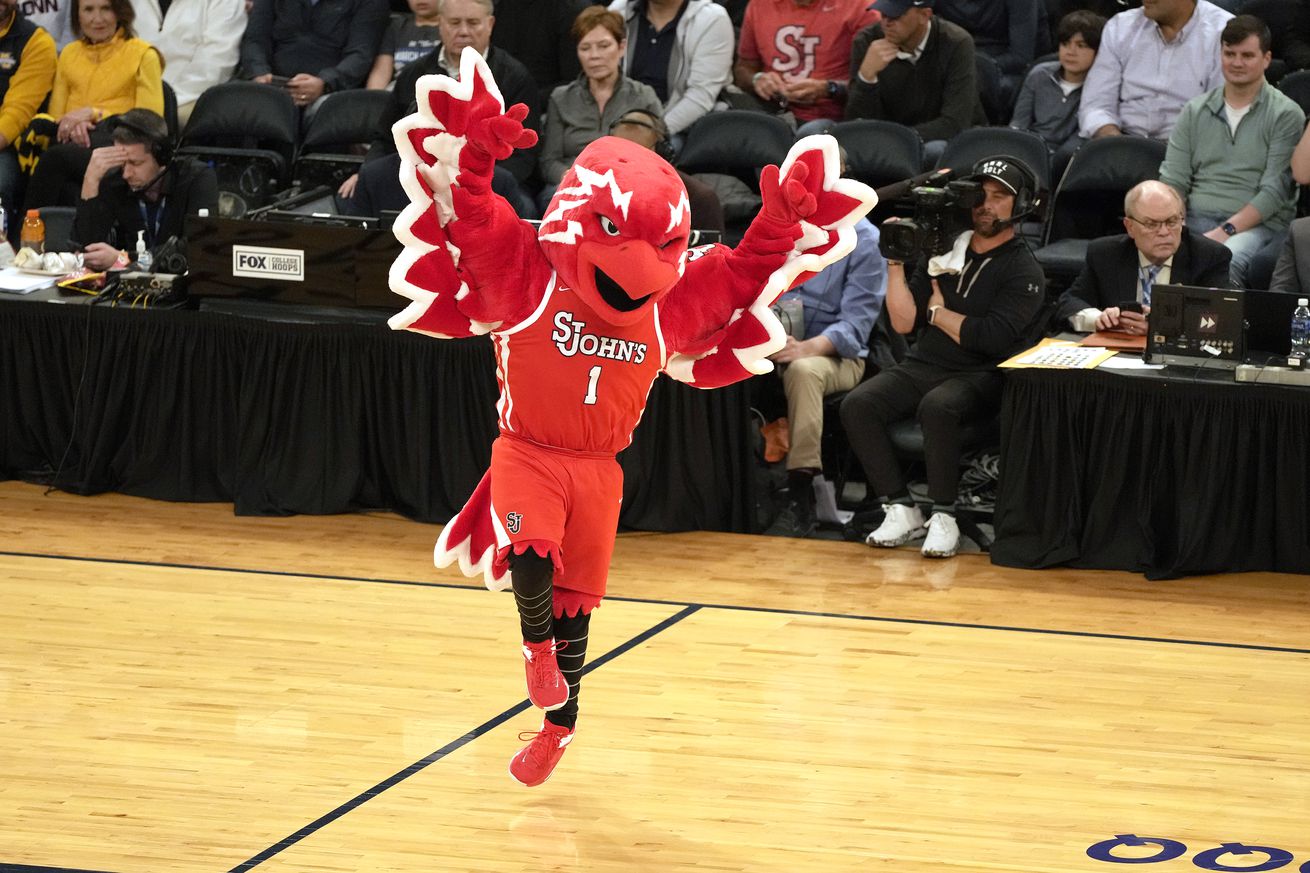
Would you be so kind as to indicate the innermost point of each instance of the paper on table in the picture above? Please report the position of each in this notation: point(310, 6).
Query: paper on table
point(15, 281)
point(1059, 355)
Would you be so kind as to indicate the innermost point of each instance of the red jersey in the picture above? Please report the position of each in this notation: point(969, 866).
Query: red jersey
point(572, 381)
point(805, 42)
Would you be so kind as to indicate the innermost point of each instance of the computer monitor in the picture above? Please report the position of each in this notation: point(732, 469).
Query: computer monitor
point(1193, 325)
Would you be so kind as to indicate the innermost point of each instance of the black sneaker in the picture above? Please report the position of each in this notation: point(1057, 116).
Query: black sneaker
point(795, 520)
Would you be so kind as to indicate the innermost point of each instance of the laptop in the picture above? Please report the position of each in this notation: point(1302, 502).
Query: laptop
point(1269, 326)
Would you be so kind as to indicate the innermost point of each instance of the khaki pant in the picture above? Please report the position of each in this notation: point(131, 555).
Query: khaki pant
point(806, 382)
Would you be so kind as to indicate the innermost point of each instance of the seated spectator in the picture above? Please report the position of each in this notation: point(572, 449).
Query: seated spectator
point(316, 47)
point(586, 108)
point(683, 50)
point(1292, 272)
point(136, 186)
point(1113, 291)
point(105, 72)
point(405, 40)
point(915, 70)
point(980, 309)
point(794, 55)
point(648, 130)
point(461, 24)
point(1289, 22)
point(839, 307)
point(200, 42)
point(1230, 152)
point(1151, 61)
point(1049, 99)
point(53, 16)
point(539, 34)
point(1010, 32)
point(24, 84)
point(1301, 159)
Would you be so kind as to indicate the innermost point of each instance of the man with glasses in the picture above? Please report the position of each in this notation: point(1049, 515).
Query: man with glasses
point(1113, 291)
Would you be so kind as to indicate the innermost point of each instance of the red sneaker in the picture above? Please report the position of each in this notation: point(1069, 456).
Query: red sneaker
point(536, 761)
point(547, 688)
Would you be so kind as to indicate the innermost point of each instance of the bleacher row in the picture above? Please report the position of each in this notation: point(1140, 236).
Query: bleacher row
point(254, 137)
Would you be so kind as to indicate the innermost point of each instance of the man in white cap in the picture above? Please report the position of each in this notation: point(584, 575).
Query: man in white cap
point(977, 304)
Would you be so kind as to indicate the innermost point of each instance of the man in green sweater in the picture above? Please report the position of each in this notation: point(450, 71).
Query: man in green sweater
point(915, 70)
point(1230, 152)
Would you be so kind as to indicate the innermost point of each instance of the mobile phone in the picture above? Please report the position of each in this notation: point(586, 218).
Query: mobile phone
point(279, 81)
point(1130, 306)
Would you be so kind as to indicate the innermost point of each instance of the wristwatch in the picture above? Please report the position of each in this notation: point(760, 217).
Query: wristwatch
point(1229, 228)
point(932, 313)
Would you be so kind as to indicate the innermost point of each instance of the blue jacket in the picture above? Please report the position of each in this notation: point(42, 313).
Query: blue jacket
point(844, 300)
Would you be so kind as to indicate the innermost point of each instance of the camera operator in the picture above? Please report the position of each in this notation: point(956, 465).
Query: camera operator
point(137, 185)
point(976, 304)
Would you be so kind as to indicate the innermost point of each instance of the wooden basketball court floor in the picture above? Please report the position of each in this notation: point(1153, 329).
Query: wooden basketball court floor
point(185, 690)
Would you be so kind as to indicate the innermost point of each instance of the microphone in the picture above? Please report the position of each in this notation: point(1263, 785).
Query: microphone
point(897, 190)
point(141, 189)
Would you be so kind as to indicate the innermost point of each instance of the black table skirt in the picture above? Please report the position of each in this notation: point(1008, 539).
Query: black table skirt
point(1156, 474)
point(282, 418)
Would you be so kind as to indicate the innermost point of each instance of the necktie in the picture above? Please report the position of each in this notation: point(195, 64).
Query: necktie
point(1149, 275)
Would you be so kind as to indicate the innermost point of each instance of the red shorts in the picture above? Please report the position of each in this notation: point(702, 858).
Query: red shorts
point(565, 504)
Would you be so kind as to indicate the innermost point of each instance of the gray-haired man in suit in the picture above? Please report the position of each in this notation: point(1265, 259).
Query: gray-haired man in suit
point(1113, 291)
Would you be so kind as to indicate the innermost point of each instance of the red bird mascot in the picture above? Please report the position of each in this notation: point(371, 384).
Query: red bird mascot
point(584, 313)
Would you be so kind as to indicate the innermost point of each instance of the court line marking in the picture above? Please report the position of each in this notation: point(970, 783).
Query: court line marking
point(921, 622)
point(27, 868)
point(422, 763)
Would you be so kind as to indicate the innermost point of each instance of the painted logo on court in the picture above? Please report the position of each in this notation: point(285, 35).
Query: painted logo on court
point(1132, 849)
point(513, 521)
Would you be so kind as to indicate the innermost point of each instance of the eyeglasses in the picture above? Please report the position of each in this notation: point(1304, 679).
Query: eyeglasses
point(1150, 225)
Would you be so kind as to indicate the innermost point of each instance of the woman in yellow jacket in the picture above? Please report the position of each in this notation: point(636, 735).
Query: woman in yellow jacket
point(105, 72)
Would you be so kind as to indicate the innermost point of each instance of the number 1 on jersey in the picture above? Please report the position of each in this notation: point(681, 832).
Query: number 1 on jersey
point(592, 378)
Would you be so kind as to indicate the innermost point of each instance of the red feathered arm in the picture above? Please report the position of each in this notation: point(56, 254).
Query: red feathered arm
point(717, 319)
point(469, 263)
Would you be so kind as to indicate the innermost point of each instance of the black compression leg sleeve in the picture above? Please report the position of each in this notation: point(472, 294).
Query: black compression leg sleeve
point(531, 575)
point(571, 656)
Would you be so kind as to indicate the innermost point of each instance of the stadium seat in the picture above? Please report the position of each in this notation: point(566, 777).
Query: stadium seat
point(336, 138)
point(1089, 200)
point(879, 153)
point(735, 142)
point(249, 133)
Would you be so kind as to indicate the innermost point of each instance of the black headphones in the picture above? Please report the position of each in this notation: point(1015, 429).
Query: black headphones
point(642, 118)
point(1028, 199)
point(160, 149)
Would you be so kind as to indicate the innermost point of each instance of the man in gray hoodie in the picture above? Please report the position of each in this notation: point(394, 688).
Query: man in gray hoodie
point(682, 49)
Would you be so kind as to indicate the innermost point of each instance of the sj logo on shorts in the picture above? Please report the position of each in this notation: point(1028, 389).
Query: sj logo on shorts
point(512, 521)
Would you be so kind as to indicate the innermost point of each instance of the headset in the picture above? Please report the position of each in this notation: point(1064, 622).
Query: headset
point(160, 149)
point(642, 118)
point(1029, 200)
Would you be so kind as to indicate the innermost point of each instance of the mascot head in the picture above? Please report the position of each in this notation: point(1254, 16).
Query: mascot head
point(616, 230)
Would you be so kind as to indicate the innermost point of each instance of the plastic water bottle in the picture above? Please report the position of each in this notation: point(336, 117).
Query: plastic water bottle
point(144, 260)
point(33, 232)
point(1300, 332)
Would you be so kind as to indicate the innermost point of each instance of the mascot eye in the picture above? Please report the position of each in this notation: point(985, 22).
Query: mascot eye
point(608, 226)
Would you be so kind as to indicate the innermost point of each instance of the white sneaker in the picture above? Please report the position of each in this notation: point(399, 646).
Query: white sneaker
point(943, 536)
point(902, 524)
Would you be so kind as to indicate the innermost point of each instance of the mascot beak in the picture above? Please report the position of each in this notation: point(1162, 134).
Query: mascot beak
point(628, 274)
